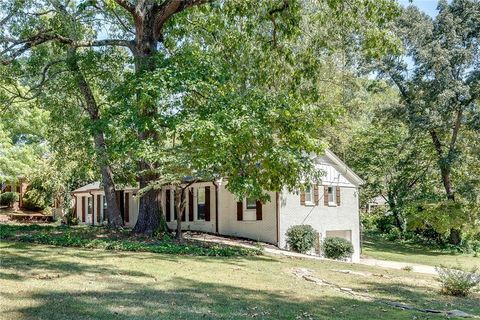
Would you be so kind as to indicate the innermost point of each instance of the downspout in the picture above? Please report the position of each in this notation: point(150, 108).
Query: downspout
point(277, 215)
point(216, 206)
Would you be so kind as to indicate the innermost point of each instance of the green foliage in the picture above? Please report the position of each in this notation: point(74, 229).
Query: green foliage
point(457, 281)
point(337, 248)
point(101, 238)
point(378, 221)
point(8, 198)
point(37, 196)
point(301, 238)
point(442, 216)
point(70, 219)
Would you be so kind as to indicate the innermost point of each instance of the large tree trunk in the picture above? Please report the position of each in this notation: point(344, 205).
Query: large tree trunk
point(149, 211)
point(149, 17)
point(113, 212)
point(149, 214)
point(445, 171)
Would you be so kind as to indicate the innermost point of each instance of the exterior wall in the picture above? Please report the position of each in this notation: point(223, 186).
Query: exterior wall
point(133, 205)
point(329, 220)
point(261, 230)
point(196, 224)
point(342, 220)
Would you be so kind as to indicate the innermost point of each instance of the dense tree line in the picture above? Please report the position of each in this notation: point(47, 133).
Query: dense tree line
point(149, 93)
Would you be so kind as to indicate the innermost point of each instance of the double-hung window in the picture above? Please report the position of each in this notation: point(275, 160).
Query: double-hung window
point(89, 205)
point(251, 204)
point(332, 196)
point(201, 203)
point(309, 194)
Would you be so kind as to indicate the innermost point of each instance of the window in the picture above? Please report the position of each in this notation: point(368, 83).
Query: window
point(309, 194)
point(331, 196)
point(104, 208)
point(174, 205)
point(89, 205)
point(201, 204)
point(251, 204)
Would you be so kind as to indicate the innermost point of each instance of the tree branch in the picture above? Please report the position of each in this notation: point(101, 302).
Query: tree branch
point(170, 8)
point(274, 23)
point(127, 6)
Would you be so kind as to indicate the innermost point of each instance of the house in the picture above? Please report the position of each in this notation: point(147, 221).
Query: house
point(330, 207)
point(19, 186)
point(376, 203)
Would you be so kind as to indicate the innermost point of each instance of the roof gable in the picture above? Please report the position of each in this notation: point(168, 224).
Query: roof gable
point(338, 172)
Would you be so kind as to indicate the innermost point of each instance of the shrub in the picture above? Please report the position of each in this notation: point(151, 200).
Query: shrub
point(456, 281)
point(301, 238)
point(337, 248)
point(103, 238)
point(8, 198)
point(70, 218)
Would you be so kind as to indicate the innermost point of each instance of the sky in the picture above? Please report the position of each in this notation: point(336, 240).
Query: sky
point(428, 6)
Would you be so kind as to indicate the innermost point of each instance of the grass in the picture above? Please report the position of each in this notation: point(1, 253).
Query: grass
point(379, 248)
point(103, 238)
point(46, 282)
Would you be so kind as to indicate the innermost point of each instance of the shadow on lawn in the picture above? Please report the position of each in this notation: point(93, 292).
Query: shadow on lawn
point(42, 261)
point(425, 297)
point(28, 257)
point(188, 299)
point(180, 298)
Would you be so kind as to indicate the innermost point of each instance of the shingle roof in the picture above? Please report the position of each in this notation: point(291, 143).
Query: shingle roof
point(88, 187)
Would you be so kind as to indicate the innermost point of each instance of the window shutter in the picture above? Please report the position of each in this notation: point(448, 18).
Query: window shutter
point(190, 204)
point(338, 195)
point(239, 211)
point(83, 209)
point(127, 207)
point(259, 210)
point(302, 198)
point(325, 195)
point(167, 205)
point(315, 194)
point(99, 211)
point(207, 203)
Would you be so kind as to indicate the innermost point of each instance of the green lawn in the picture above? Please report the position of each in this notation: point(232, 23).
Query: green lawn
point(378, 248)
point(45, 282)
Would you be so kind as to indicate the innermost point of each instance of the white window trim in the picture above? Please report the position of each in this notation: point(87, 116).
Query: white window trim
point(334, 193)
point(311, 202)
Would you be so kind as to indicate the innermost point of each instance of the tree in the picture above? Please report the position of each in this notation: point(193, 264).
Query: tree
point(53, 62)
point(152, 30)
point(438, 78)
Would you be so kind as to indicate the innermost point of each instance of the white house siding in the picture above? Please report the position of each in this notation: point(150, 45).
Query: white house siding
point(196, 224)
point(260, 230)
point(133, 205)
point(326, 220)
point(88, 217)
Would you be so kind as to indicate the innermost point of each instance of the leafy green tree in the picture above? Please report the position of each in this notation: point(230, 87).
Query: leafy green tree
point(438, 78)
point(254, 48)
